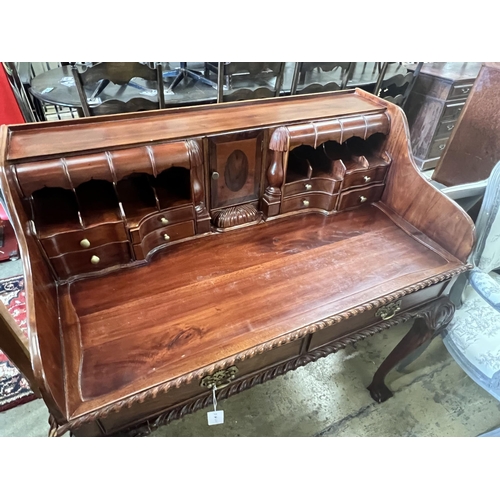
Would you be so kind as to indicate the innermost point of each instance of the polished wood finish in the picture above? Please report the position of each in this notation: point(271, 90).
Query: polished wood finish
point(435, 103)
point(232, 271)
point(473, 149)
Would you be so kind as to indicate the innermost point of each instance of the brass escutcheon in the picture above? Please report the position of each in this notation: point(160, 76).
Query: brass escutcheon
point(220, 378)
point(389, 311)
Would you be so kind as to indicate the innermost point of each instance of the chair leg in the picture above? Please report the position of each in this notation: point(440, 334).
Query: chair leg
point(428, 324)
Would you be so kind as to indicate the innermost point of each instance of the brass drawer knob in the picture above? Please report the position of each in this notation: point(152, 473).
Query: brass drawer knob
point(362, 199)
point(164, 221)
point(166, 237)
point(95, 259)
point(85, 243)
point(305, 203)
point(367, 179)
point(450, 127)
point(441, 146)
point(308, 187)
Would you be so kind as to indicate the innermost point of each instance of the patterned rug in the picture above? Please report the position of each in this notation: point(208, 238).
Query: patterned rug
point(14, 389)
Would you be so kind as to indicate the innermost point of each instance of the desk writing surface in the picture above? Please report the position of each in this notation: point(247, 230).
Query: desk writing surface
point(244, 288)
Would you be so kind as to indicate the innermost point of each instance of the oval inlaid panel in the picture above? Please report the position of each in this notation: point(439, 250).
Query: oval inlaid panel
point(236, 171)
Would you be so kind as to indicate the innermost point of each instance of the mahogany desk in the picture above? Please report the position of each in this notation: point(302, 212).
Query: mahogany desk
point(168, 251)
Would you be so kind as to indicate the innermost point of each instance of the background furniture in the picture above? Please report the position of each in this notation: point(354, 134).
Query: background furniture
point(246, 80)
point(473, 336)
point(258, 237)
point(434, 106)
point(91, 83)
point(338, 76)
point(473, 148)
point(396, 88)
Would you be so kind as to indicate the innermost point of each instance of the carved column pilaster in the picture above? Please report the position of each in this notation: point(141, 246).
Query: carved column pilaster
point(200, 207)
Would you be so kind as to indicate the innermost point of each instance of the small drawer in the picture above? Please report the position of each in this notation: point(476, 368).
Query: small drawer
point(437, 148)
point(94, 259)
point(452, 111)
point(360, 196)
point(311, 185)
point(369, 318)
point(460, 91)
point(163, 236)
point(444, 130)
point(159, 220)
point(364, 177)
point(313, 200)
point(88, 238)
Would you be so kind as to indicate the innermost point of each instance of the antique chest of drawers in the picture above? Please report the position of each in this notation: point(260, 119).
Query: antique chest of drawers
point(434, 106)
point(169, 252)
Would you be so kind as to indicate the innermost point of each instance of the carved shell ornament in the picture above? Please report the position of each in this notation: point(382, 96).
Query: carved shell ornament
point(234, 216)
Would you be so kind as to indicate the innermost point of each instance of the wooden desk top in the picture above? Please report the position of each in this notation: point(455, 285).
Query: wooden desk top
point(36, 140)
point(278, 277)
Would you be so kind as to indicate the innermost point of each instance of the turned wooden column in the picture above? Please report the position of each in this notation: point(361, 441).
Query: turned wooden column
point(275, 172)
point(200, 206)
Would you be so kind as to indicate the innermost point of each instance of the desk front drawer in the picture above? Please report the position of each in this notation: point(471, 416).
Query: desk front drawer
point(94, 259)
point(311, 185)
point(163, 236)
point(369, 318)
point(360, 196)
point(179, 395)
point(163, 219)
point(313, 200)
point(85, 239)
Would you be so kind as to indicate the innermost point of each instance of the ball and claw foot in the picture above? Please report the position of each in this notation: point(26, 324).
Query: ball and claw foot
point(379, 392)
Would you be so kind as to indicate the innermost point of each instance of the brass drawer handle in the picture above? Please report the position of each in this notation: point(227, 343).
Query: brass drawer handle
point(95, 259)
point(362, 199)
point(166, 237)
point(441, 146)
point(367, 179)
point(389, 311)
point(308, 187)
point(305, 203)
point(465, 91)
point(450, 127)
point(85, 243)
point(164, 221)
point(220, 378)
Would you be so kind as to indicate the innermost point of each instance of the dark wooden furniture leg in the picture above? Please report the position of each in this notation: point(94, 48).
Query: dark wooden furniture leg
point(428, 324)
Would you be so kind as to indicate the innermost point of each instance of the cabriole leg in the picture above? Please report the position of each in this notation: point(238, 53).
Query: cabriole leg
point(428, 324)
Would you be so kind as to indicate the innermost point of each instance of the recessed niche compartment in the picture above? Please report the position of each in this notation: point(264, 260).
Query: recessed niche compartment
point(137, 195)
point(55, 211)
point(173, 187)
point(98, 202)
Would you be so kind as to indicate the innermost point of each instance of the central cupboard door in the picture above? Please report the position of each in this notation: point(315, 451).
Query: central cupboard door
point(235, 168)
